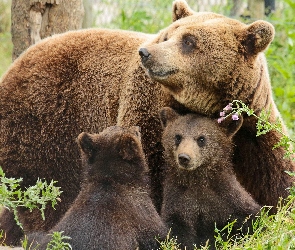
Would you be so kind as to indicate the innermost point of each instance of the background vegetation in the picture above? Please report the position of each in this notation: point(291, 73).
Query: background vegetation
point(5, 36)
point(281, 61)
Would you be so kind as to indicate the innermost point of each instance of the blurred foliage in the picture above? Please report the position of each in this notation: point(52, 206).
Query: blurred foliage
point(148, 16)
point(144, 16)
point(5, 36)
point(5, 15)
point(281, 60)
point(5, 51)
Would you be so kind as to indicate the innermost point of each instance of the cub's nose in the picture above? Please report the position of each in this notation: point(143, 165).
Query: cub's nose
point(144, 54)
point(184, 160)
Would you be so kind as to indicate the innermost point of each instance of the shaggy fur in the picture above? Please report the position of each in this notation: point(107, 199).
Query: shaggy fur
point(90, 79)
point(200, 187)
point(113, 209)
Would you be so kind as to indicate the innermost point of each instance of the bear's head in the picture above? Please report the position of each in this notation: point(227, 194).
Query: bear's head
point(206, 60)
point(196, 142)
point(116, 153)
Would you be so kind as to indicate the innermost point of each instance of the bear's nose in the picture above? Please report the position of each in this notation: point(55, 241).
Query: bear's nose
point(184, 160)
point(144, 54)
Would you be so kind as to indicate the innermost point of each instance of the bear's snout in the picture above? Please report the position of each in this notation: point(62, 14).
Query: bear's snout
point(144, 54)
point(184, 160)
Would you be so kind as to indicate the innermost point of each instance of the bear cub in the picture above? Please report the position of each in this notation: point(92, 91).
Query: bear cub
point(113, 209)
point(200, 187)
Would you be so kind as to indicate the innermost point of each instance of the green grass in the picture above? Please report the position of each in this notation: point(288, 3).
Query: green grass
point(271, 232)
point(281, 60)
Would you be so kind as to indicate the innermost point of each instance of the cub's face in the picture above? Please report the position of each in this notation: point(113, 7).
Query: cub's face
point(200, 55)
point(193, 141)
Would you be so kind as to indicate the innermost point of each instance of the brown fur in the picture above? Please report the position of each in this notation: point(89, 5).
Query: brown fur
point(200, 187)
point(90, 79)
point(61, 87)
point(113, 209)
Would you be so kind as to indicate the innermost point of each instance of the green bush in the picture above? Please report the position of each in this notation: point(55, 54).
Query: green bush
point(5, 15)
point(281, 60)
point(33, 197)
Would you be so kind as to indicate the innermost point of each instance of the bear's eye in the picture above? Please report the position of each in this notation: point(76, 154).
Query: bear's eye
point(165, 38)
point(177, 139)
point(188, 44)
point(201, 141)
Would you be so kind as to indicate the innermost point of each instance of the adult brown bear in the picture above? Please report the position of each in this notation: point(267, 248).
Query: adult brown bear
point(88, 80)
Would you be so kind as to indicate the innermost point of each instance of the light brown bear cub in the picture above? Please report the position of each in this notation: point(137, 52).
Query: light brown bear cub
point(200, 186)
point(113, 209)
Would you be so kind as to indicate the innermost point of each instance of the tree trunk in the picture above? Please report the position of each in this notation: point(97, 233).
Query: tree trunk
point(33, 20)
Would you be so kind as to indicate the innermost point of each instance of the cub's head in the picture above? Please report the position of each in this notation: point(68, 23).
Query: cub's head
point(206, 60)
point(115, 152)
point(193, 141)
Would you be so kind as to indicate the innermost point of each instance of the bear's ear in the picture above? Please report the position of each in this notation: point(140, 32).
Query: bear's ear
point(257, 36)
point(231, 127)
point(128, 147)
point(86, 144)
point(167, 114)
point(180, 10)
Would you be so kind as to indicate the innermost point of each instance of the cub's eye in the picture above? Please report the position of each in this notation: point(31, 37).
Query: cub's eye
point(201, 141)
point(165, 38)
point(177, 139)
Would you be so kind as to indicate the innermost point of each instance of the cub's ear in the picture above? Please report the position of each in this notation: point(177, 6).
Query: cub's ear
point(86, 144)
point(257, 36)
point(167, 114)
point(129, 147)
point(180, 9)
point(231, 127)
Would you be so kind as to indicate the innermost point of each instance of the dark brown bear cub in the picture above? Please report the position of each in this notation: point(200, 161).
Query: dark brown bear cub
point(113, 210)
point(200, 186)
